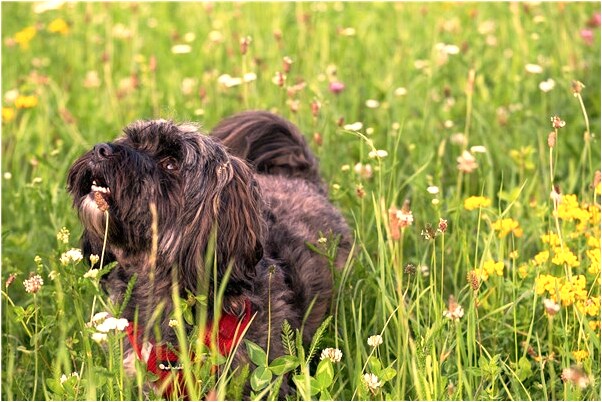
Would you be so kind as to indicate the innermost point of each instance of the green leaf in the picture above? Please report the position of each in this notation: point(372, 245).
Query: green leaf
point(375, 366)
point(524, 369)
point(256, 354)
point(288, 338)
point(325, 395)
point(324, 374)
point(317, 338)
point(260, 378)
point(301, 383)
point(284, 364)
point(55, 386)
point(387, 374)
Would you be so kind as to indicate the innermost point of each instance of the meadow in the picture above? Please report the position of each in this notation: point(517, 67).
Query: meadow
point(461, 141)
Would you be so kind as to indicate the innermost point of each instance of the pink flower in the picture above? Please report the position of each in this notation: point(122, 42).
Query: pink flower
point(336, 87)
point(594, 22)
point(588, 36)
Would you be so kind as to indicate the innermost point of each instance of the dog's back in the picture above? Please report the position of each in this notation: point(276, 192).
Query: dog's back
point(298, 210)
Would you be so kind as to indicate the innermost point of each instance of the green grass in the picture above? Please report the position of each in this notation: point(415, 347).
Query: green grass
point(504, 346)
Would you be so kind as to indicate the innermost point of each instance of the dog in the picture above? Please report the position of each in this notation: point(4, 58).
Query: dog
point(164, 197)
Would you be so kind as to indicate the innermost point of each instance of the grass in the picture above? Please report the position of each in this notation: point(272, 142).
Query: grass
point(445, 77)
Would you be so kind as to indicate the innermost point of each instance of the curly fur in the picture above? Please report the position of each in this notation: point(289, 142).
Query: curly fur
point(253, 185)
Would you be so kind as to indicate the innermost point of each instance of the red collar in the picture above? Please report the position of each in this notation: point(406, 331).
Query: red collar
point(162, 360)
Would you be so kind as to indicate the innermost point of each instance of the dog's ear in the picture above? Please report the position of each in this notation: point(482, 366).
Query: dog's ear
point(231, 213)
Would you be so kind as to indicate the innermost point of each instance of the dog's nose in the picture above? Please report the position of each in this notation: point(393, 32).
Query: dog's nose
point(102, 151)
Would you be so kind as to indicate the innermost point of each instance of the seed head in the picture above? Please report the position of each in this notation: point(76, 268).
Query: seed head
point(557, 122)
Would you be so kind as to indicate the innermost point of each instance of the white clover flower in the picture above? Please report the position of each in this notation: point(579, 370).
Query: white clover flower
point(92, 273)
point(181, 49)
point(379, 153)
point(534, 68)
point(547, 85)
point(357, 126)
point(99, 337)
point(372, 103)
point(72, 256)
point(335, 355)
point(432, 189)
point(248, 77)
point(375, 340)
point(372, 382)
point(112, 323)
point(228, 81)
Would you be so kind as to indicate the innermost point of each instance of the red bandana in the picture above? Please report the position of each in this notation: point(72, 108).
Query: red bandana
point(162, 360)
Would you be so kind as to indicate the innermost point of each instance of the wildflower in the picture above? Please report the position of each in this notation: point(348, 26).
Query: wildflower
point(466, 162)
point(99, 337)
point(573, 290)
point(365, 171)
point(551, 307)
point(173, 323)
point(58, 26)
point(375, 341)
point(541, 257)
point(557, 122)
point(112, 323)
point(428, 232)
point(287, 62)
point(8, 114)
point(347, 31)
point(334, 355)
point(547, 283)
point(7, 175)
point(92, 273)
point(564, 256)
point(372, 104)
point(72, 256)
point(26, 102)
point(409, 269)
point(534, 68)
point(576, 376)
point(580, 355)
point(432, 190)
point(359, 190)
point(590, 306)
point(473, 279)
point(94, 259)
point(588, 36)
point(547, 85)
point(100, 316)
point(372, 382)
point(401, 91)
point(245, 42)
point(228, 81)
point(476, 202)
point(181, 49)
point(279, 79)
point(577, 87)
point(379, 153)
point(491, 267)
point(24, 36)
point(523, 271)
point(552, 139)
point(454, 311)
point(442, 227)
point(33, 284)
point(478, 149)
point(63, 235)
point(357, 126)
point(506, 226)
point(10, 280)
point(336, 87)
point(53, 275)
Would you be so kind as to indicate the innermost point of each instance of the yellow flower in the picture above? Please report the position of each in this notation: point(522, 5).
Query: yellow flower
point(26, 102)
point(58, 26)
point(569, 210)
point(551, 238)
point(506, 226)
point(573, 290)
point(594, 257)
point(474, 202)
point(593, 242)
point(523, 271)
point(580, 355)
point(590, 306)
point(564, 256)
point(489, 268)
point(541, 258)
point(25, 36)
point(594, 325)
point(8, 114)
point(547, 283)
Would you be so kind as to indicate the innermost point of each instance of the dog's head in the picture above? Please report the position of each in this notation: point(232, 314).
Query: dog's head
point(198, 189)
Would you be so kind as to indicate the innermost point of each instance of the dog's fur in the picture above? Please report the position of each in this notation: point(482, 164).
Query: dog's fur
point(253, 185)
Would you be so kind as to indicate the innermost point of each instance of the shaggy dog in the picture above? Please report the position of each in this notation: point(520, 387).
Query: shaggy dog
point(249, 195)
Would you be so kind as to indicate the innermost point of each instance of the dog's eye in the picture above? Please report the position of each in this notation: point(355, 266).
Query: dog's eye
point(169, 164)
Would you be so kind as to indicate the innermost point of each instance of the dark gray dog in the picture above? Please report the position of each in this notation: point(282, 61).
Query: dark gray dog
point(250, 194)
